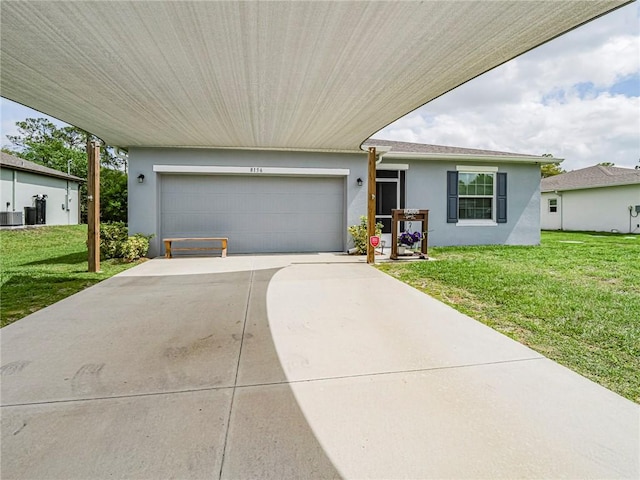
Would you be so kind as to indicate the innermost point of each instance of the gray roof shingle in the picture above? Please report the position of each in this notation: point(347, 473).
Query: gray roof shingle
point(407, 147)
point(591, 177)
point(16, 163)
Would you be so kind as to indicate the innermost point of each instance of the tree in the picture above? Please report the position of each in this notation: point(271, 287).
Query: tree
point(607, 164)
point(113, 195)
point(550, 169)
point(65, 149)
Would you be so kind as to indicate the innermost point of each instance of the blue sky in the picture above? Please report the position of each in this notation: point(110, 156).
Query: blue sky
point(577, 97)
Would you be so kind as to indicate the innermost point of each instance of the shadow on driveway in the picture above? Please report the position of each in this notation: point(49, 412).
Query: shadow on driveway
point(154, 377)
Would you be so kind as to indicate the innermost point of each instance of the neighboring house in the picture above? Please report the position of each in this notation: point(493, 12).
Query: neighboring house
point(598, 198)
point(34, 194)
point(282, 201)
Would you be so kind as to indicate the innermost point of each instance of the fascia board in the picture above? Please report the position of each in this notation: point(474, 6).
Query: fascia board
point(590, 187)
point(472, 157)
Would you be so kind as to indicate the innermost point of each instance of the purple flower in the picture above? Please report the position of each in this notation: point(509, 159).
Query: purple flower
point(408, 238)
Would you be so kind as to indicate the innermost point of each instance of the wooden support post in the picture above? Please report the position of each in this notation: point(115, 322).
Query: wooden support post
point(371, 205)
point(93, 205)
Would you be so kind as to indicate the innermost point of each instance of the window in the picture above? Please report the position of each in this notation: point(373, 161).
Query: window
point(553, 205)
point(476, 196)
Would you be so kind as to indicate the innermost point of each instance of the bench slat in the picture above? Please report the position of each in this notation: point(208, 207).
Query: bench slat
point(168, 241)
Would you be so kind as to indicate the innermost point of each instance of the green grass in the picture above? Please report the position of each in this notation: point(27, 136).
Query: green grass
point(576, 303)
point(41, 266)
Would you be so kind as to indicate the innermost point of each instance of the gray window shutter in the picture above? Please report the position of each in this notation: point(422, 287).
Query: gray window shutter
point(452, 197)
point(501, 197)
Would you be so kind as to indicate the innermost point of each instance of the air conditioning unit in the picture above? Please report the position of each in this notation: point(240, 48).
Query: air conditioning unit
point(10, 219)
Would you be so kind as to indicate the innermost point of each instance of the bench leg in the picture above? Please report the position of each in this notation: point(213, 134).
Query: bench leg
point(167, 249)
point(224, 248)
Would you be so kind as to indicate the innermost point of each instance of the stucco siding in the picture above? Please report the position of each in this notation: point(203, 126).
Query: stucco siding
point(20, 193)
point(600, 209)
point(144, 199)
point(427, 189)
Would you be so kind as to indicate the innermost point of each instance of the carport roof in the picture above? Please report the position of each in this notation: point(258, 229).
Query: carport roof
point(281, 75)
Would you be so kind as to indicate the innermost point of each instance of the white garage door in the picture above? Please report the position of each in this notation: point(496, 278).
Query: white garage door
point(257, 214)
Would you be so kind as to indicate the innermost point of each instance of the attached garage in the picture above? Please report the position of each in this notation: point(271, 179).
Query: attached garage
point(259, 214)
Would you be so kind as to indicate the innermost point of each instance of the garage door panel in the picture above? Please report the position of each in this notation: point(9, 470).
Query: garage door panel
point(257, 214)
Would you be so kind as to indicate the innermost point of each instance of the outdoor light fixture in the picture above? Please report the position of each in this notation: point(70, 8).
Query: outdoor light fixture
point(140, 178)
point(359, 181)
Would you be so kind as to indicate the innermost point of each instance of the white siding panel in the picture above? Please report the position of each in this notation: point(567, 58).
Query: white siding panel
point(601, 209)
point(257, 214)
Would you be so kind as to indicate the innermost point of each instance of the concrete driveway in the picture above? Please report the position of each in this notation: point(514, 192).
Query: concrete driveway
point(281, 367)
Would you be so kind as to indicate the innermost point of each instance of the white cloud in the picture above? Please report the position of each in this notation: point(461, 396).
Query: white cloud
point(535, 103)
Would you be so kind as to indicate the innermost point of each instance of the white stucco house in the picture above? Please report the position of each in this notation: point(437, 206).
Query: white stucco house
point(248, 119)
point(34, 194)
point(598, 198)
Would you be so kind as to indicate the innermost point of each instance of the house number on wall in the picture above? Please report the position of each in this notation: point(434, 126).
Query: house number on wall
point(256, 169)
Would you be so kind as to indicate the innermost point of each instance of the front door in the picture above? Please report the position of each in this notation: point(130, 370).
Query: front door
point(389, 195)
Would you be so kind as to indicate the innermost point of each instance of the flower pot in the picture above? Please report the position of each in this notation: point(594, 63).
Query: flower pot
point(401, 249)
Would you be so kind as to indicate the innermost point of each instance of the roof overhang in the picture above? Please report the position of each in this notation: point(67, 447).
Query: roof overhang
point(280, 75)
point(472, 158)
point(40, 170)
point(589, 187)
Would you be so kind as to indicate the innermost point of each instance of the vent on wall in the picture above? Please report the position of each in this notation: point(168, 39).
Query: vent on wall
point(10, 219)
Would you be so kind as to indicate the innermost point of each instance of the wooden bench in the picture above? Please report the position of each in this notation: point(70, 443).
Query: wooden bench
point(169, 241)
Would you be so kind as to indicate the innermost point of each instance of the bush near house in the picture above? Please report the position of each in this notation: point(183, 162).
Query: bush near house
point(41, 266)
point(575, 298)
point(360, 237)
point(115, 242)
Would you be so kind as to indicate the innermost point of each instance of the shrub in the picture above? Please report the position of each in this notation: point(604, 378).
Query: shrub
point(360, 237)
point(136, 247)
point(115, 242)
point(113, 236)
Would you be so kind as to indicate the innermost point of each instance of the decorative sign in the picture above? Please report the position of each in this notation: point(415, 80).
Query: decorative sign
point(374, 241)
point(410, 213)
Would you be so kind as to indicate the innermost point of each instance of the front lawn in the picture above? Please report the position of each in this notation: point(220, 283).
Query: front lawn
point(575, 298)
point(41, 266)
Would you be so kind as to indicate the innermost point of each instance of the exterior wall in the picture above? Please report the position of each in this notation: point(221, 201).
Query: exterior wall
point(6, 189)
point(549, 220)
point(601, 209)
point(427, 189)
point(28, 184)
point(144, 208)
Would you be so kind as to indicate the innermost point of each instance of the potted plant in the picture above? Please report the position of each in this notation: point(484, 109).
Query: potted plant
point(407, 240)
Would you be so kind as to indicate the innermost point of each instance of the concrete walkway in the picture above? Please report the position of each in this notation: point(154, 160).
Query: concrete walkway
point(273, 367)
